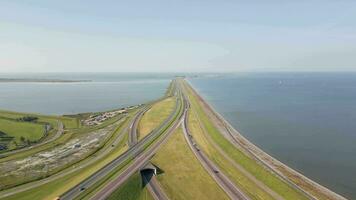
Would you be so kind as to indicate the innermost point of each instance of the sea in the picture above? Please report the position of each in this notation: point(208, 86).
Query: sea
point(105, 91)
point(305, 120)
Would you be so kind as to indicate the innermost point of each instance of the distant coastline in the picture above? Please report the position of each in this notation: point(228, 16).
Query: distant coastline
point(26, 80)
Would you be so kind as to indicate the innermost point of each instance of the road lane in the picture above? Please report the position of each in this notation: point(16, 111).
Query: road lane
point(152, 184)
point(155, 189)
point(134, 126)
point(224, 182)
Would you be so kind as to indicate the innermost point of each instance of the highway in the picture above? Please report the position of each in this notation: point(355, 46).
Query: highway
point(60, 131)
point(134, 126)
point(239, 141)
point(139, 161)
point(223, 181)
point(152, 183)
point(136, 151)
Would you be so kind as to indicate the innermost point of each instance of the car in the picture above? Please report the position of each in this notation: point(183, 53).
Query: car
point(82, 188)
point(216, 171)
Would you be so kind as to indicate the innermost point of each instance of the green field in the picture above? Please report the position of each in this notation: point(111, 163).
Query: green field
point(18, 133)
point(69, 122)
point(30, 131)
point(132, 189)
point(21, 133)
point(184, 177)
point(155, 116)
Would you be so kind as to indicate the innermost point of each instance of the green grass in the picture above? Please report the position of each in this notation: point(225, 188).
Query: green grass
point(269, 179)
point(30, 131)
point(184, 177)
point(10, 124)
point(132, 189)
point(69, 122)
point(155, 116)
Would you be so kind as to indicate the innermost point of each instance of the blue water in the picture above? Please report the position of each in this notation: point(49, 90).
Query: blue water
point(106, 91)
point(306, 120)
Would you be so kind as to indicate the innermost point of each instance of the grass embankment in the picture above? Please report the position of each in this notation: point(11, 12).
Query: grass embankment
point(132, 189)
point(184, 177)
point(58, 186)
point(155, 116)
point(205, 132)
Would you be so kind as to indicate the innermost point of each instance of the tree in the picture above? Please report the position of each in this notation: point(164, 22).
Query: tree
point(22, 139)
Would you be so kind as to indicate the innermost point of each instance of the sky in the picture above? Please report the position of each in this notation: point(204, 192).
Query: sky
point(177, 36)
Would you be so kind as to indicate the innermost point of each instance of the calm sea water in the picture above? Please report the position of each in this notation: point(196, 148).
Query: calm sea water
point(105, 92)
point(306, 120)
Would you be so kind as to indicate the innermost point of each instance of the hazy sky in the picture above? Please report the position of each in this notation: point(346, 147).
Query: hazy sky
point(194, 35)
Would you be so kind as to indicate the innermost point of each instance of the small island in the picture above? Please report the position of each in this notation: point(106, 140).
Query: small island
point(34, 80)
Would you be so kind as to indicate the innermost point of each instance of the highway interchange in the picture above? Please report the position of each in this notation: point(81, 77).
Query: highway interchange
point(141, 156)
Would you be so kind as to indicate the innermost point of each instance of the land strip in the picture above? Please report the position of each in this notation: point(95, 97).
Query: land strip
point(291, 177)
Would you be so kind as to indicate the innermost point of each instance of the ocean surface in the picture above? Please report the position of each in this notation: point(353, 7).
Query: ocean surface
point(305, 120)
point(106, 91)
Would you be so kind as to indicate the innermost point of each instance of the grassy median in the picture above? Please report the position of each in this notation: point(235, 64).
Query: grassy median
point(183, 176)
point(155, 116)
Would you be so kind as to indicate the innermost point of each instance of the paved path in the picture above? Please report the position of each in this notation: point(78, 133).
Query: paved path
point(155, 189)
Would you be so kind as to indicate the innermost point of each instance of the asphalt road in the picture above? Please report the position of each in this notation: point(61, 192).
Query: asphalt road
point(223, 181)
point(134, 126)
point(136, 151)
point(152, 183)
point(55, 137)
point(139, 161)
point(231, 135)
point(155, 189)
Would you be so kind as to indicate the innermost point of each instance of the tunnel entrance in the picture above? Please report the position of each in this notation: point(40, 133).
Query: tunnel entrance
point(149, 168)
point(148, 171)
